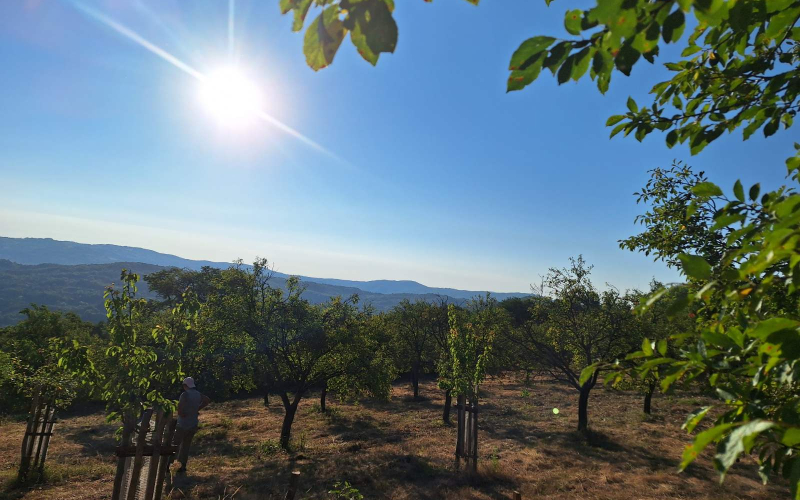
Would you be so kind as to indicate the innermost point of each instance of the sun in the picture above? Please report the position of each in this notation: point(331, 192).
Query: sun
point(229, 96)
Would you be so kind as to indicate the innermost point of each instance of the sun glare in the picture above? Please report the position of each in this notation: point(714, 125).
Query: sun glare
point(230, 97)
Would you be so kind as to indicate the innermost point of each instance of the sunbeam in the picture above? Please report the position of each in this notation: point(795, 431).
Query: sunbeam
point(166, 56)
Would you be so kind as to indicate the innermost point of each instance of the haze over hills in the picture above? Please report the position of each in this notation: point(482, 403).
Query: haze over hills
point(79, 288)
point(68, 276)
point(32, 251)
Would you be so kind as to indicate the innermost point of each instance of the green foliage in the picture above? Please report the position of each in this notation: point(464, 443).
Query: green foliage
point(343, 490)
point(29, 357)
point(420, 337)
point(141, 365)
point(470, 343)
point(573, 329)
point(293, 346)
point(738, 69)
point(678, 221)
point(746, 346)
point(269, 448)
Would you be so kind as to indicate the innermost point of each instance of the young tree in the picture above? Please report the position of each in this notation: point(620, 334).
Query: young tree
point(576, 326)
point(141, 364)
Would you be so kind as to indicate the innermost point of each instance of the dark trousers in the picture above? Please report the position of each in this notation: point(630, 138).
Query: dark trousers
point(183, 440)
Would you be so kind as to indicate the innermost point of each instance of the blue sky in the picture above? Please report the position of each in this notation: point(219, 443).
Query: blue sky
point(444, 178)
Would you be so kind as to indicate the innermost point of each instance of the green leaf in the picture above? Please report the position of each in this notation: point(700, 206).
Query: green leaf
point(323, 38)
point(672, 138)
point(528, 49)
point(673, 26)
point(626, 58)
point(691, 50)
point(739, 441)
point(519, 79)
point(695, 266)
point(707, 189)
point(661, 346)
point(613, 120)
point(372, 29)
point(782, 21)
point(776, 5)
point(581, 63)
point(647, 347)
point(791, 437)
point(300, 11)
point(632, 105)
point(587, 373)
point(792, 164)
point(755, 189)
point(557, 55)
point(738, 191)
point(772, 325)
point(572, 21)
point(565, 72)
point(695, 418)
point(701, 441)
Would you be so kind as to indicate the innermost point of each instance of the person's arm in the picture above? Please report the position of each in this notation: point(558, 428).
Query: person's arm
point(204, 402)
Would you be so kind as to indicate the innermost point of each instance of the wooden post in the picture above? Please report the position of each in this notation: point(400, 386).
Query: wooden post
point(293, 480)
point(163, 469)
point(30, 435)
point(155, 459)
point(460, 432)
point(475, 436)
point(517, 495)
point(46, 438)
point(144, 426)
point(127, 430)
point(46, 415)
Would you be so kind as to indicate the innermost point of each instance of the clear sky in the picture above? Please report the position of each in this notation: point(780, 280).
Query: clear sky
point(432, 172)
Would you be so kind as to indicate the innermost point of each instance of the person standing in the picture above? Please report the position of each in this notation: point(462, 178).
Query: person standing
point(189, 406)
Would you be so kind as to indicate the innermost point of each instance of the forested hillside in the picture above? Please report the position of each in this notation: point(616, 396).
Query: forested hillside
point(50, 251)
point(79, 289)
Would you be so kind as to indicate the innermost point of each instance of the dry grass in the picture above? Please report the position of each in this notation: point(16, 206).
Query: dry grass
point(401, 450)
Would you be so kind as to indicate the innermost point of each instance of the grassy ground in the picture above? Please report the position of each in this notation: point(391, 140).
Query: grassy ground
point(401, 450)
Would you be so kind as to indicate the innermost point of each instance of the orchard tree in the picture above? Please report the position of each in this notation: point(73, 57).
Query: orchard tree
point(367, 367)
point(414, 329)
point(652, 328)
point(576, 326)
point(31, 352)
point(297, 347)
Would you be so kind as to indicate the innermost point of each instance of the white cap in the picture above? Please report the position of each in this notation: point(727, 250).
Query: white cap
point(189, 382)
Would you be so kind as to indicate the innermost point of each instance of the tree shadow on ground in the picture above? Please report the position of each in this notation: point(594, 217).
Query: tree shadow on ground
point(96, 440)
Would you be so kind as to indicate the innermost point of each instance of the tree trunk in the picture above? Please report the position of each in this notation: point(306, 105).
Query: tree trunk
point(583, 406)
point(266, 399)
point(290, 409)
point(648, 397)
point(448, 402)
point(322, 398)
point(415, 380)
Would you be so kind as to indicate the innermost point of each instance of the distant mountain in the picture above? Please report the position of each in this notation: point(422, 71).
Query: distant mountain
point(48, 251)
point(79, 289)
